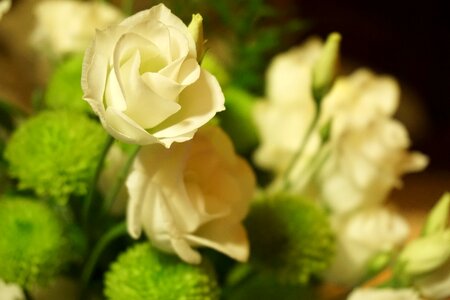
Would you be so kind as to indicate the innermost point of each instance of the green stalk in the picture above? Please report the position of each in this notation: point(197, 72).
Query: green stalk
point(112, 194)
point(313, 167)
point(113, 233)
point(87, 204)
point(286, 182)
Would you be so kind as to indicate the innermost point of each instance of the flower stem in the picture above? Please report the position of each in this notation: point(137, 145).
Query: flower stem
point(286, 181)
point(245, 274)
point(113, 233)
point(112, 194)
point(90, 195)
point(313, 166)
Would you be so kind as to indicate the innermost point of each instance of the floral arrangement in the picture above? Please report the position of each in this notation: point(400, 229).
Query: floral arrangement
point(174, 180)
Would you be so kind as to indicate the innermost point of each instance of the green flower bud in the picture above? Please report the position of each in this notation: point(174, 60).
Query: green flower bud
point(31, 242)
point(64, 88)
point(324, 70)
point(438, 217)
point(196, 30)
point(145, 273)
point(425, 253)
point(55, 153)
point(290, 237)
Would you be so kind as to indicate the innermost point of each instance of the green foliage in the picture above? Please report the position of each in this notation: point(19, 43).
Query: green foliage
point(256, 35)
point(55, 153)
point(291, 237)
point(145, 273)
point(211, 63)
point(31, 241)
point(254, 31)
point(64, 87)
point(266, 286)
point(237, 119)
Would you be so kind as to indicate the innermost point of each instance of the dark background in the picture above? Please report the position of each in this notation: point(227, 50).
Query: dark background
point(407, 39)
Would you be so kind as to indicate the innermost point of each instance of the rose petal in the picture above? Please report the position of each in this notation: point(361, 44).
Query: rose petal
point(230, 239)
point(200, 102)
point(125, 129)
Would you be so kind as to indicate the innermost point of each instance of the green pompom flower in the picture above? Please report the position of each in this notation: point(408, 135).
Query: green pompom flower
point(266, 286)
point(148, 274)
point(64, 88)
point(291, 237)
point(55, 153)
point(31, 241)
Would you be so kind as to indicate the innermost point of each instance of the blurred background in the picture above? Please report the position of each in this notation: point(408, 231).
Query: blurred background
point(408, 40)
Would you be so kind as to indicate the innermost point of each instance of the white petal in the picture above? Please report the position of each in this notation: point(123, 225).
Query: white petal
point(125, 129)
point(230, 239)
point(200, 102)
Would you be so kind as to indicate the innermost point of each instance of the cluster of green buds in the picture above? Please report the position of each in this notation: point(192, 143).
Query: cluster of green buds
point(425, 261)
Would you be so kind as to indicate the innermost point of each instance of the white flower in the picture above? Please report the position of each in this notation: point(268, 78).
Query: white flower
point(360, 236)
point(383, 294)
point(143, 80)
point(9, 291)
point(5, 5)
point(194, 194)
point(367, 150)
point(67, 26)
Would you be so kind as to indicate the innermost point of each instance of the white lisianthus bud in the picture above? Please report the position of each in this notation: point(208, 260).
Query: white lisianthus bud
point(142, 78)
point(9, 291)
point(361, 236)
point(383, 294)
point(196, 30)
point(68, 26)
point(438, 217)
point(426, 253)
point(192, 195)
point(324, 70)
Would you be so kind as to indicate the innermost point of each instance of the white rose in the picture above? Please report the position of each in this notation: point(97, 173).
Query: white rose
point(10, 291)
point(67, 26)
point(143, 80)
point(360, 237)
point(193, 194)
point(383, 294)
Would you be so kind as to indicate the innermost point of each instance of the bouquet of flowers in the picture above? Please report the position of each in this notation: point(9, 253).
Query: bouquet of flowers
point(173, 172)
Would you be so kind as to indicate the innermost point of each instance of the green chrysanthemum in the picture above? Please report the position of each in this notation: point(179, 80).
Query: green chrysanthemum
point(31, 241)
point(64, 89)
point(266, 286)
point(291, 237)
point(55, 153)
point(147, 274)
